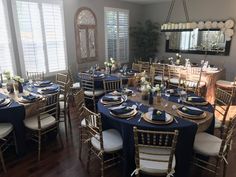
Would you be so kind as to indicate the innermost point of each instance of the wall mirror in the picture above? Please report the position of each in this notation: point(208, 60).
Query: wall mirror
point(85, 31)
point(211, 42)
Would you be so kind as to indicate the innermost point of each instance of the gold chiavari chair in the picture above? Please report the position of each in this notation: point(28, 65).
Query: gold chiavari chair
point(211, 146)
point(192, 80)
point(157, 72)
point(62, 79)
point(227, 85)
point(90, 92)
point(79, 103)
point(154, 152)
point(136, 67)
point(222, 104)
point(46, 120)
point(73, 85)
point(102, 142)
point(6, 136)
point(1, 78)
point(110, 86)
point(174, 76)
point(35, 76)
point(145, 66)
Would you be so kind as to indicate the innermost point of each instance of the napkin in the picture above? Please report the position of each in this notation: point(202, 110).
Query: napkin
point(98, 75)
point(191, 111)
point(29, 97)
point(158, 115)
point(196, 99)
point(121, 110)
point(43, 83)
point(128, 91)
point(171, 91)
point(2, 100)
point(109, 98)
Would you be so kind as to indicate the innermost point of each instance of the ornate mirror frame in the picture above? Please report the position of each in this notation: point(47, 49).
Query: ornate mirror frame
point(85, 35)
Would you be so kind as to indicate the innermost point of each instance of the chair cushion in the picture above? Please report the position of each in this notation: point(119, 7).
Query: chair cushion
point(32, 122)
point(61, 103)
point(226, 84)
point(96, 93)
point(193, 84)
point(83, 123)
point(61, 97)
point(207, 144)
point(174, 80)
point(159, 78)
point(218, 123)
point(112, 141)
point(154, 166)
point(5, 129)
point(76, 85)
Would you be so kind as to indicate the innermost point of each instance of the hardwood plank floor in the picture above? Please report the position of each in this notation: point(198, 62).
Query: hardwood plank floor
point(57, 162)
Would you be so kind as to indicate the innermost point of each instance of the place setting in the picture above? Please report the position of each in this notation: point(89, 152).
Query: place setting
point(5, 102)
point(158, 117)
point(124, 111)
point(29, 98)
point(48, 90)
point(190, 112)
point(45, 83)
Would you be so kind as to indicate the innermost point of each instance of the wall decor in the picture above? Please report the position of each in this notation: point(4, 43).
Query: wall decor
point(86, 35)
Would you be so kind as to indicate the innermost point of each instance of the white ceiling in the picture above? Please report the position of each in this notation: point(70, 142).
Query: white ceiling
point(146, 1)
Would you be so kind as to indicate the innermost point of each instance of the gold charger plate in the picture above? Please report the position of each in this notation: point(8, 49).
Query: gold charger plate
point(196, 104)
point(202, 116)
point(113, 103)
point(5, 102)
point(124, 116)
point(147, 118)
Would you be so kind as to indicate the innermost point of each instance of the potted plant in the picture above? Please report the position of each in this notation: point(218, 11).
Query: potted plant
point(144, 39)
point(18, 83)
point(9, 85)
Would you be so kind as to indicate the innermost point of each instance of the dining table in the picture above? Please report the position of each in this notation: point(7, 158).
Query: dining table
point(16, 111)
point(187, 128)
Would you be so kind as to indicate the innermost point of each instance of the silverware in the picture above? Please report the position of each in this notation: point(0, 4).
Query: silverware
point(176, 121)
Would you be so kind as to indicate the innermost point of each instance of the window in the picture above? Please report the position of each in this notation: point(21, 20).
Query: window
point(41, 36)
point(85, 27)
point(6, 50)
point(117, 34)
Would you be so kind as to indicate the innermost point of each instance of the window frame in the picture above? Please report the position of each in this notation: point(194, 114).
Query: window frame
point(77, 36)
point(9, 35)
point(117, 10)
point(19, 41)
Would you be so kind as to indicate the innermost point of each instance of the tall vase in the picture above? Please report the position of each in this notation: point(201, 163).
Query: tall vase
point(158, 97)
point(150, 98)
point(10, 86)
point(144, 95)
point(109, 69)
point(20, 87)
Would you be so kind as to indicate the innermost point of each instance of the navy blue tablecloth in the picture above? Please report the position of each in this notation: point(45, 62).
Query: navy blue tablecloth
point(187, 130)
point(15, 115)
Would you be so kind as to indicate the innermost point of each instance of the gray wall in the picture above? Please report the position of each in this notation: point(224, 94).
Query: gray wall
point(70, 8)
point(198, 10)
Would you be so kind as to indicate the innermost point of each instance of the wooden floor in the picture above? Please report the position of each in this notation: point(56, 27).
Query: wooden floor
point(57, 162)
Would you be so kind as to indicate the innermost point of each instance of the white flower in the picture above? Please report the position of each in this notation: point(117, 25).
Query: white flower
point(229, 32)
point(200, 25)
point(229, 24)
point(143, 79)
point(221, 25)
point(214, 24)
point(208, 25)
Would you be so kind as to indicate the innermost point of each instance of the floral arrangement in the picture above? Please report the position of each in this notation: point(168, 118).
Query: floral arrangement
point(18, 79)
point(7, 75)
point(178, 58)
point(110, 63)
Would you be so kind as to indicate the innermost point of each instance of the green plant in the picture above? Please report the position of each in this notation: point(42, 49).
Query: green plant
point(145, 37)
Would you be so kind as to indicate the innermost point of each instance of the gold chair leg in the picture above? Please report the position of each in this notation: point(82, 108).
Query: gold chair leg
point(224, 169)
point(69, 120)
point(102, 166)
point(89, 156)
point(14, 137)
point(59, 136)
point(65, 122)
point(80, 143)
point(2, 161)
point(39, 146)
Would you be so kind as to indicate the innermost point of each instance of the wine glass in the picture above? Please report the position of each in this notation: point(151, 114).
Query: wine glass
point(164, 103)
